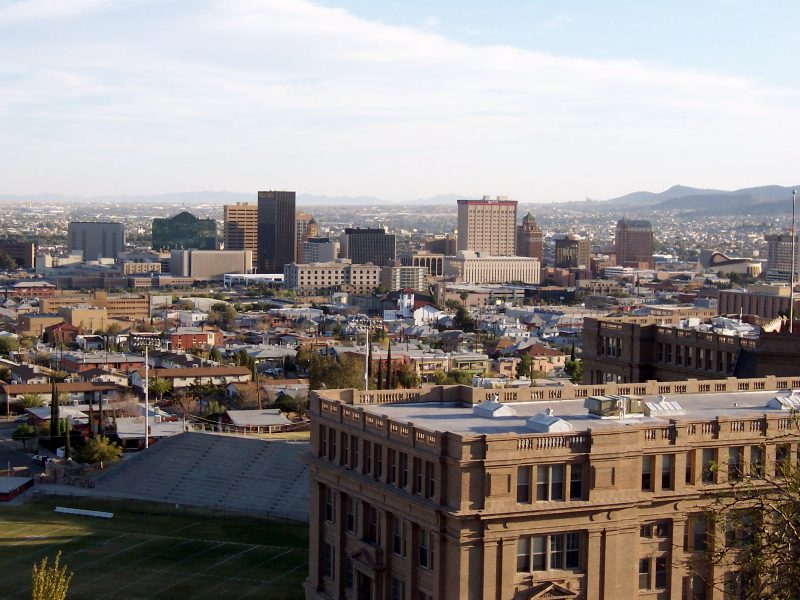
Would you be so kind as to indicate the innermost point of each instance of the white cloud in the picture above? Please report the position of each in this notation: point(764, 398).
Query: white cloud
point(16, 11)
point(325, 97)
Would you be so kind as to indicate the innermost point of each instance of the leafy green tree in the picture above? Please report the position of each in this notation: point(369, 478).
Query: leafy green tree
point(524, 365)
point(23, 433)
point(31, 401)
point(8, 344)
point(574, 370)
point(99, 449)
point(407, 376)
point(335, 373)
point(50, 582)
point(215, 355)
point(222, 315)
point(159, 386)
point(54, 402)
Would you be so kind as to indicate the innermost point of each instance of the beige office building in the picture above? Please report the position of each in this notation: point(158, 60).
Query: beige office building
point(327, 277)
point(576, 492)
point(475, 267)
point(241, 228)
point(205, 265)
point(488, 226)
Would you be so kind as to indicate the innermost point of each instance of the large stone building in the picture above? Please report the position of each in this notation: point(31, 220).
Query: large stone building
point(404, 277)
point(633, 243)
point(96, 239)
point(363, 245)
point(765, 301)
point(530, 239)
point(572, 251)
point(204, 265)
point(277, 231)
point(578, 492)
point(475, 267)
point(241, 228)
point(635, 349)
point(488, 226)
point(121, 306)
point(316, 249)
point(184, 231)
point(433, 263)
point(327, 277)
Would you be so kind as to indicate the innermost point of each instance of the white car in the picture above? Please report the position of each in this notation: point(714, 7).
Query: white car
point(21, 419)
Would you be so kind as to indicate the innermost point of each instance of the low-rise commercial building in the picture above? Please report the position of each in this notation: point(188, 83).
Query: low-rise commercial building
point(474, 267)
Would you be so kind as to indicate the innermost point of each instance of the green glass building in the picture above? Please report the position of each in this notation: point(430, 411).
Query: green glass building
point(184, 231)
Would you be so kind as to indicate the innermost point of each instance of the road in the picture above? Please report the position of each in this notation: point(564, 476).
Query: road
point(11, 453)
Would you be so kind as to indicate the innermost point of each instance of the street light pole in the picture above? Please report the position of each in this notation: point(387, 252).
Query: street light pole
point(791, 275)
point(366, 361)
point(146, 400)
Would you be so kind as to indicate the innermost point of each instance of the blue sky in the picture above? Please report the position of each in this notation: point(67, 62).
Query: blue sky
point(541, 101)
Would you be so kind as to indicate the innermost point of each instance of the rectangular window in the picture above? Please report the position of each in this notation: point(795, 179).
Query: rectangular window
point(667, 462)
point(331, 444)
point(576, 481)
point(352, 508)
point(398, 538)
point(709, 464)
point(690, 457)
point(523, 484)
point(344, 455)
point(353, 452)
point(398, 589)
point(644, 573)
point(323, 440)
point(699, 534)
point(646, 530)
point(372, 525)
point(378, 461)
point(689, 351)
point(430, 477)
point(391, 471)
point(330, 514)
point(661, 572)
point(403, 470)
point(757, 462)
point(695, 588)
point(523, 555)
point(425, 550)
point(647, 473)
point(550, 482)
point(349, 573)
point(418, 475)
point(328, 560)
point(662, 529)
point(367, 470)
point(735, 466)
point(783, 453)
point(549, 552)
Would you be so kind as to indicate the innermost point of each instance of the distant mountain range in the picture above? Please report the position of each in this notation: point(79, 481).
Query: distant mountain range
point(767, 199)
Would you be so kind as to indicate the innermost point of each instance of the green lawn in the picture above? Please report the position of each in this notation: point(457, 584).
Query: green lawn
point(151, 551)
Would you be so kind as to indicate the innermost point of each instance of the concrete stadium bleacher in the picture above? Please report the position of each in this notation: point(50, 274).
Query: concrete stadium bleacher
point(221, 472)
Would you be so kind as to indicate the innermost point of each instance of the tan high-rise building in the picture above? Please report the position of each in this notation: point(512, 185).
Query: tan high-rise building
point(241, 228)
point(488, 226)
point(530, 239)
point(576, 493)
point(306, 227)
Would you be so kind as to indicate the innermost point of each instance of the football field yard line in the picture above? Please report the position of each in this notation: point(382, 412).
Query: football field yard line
point(238, 576)
point(214, 566)
point(273, 580)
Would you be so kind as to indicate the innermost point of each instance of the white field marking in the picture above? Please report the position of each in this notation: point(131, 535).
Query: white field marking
point(136, 580)
point(182, 528)
point(274, 579)
point(240, 573)
point(206, 570)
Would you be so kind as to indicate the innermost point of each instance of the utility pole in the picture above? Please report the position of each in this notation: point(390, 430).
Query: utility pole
point(791, 275)
point(146, 400)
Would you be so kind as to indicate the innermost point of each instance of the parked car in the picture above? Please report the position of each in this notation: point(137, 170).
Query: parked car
point(21, 419)
point(40, 459)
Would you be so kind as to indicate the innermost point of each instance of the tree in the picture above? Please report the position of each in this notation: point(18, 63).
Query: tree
point(524, 365)
point(8, 345)
point(341, 372)
point(159, 386)
point(408, 377)
point(99, 449)
point(54, 409)
point(50, 582)
point(215, 355)
point(389, 380)
point(5, 374)
point(7, 263)
point(31, 401)
point(754, 527)
point(574, 370)
point(185, 404)
point(23, 433)
point(222, 315)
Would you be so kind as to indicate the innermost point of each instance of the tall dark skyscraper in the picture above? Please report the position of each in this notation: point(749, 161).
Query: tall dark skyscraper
point(633, 243)
point(369, 245)
point(277, 237)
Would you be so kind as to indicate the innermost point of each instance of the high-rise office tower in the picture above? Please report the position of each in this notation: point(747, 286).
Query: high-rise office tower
point(530, 240)
point(633, 243)
point(779, 256)
point(241, 228)
point(369, 245)
point(488, 226)
point(307, 227)
point(96, 239)
point(572, 251)
point(277, 237)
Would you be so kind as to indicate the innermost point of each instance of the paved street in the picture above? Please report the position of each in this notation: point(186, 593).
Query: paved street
point(11, 453)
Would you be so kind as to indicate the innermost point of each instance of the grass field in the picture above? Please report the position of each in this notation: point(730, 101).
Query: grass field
point(151, 551)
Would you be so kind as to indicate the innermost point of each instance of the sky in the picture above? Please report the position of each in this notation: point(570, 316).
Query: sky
point(540, 101)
